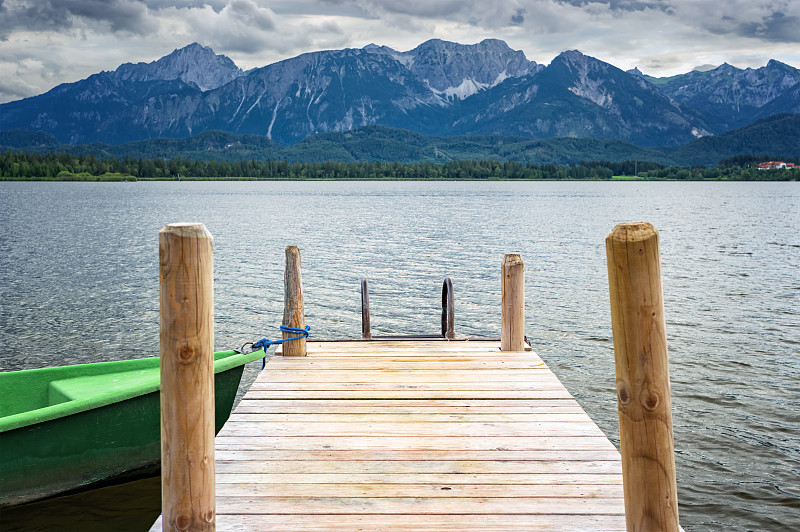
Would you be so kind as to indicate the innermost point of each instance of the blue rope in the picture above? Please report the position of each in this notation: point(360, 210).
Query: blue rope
point(266, 343)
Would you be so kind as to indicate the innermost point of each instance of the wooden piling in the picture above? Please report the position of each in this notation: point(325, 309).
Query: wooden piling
point(187, 377)
point(293, 313)
point(512, 293)
point(642, 372)
point(366, 332)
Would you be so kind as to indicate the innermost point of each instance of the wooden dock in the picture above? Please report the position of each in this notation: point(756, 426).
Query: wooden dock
point(417, 435)
point(422, 435)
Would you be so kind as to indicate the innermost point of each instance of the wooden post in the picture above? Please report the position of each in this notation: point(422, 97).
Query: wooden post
point(293, 314)
point(643, 394)
point(512, 293)
point(186, 284)
point(366, 332)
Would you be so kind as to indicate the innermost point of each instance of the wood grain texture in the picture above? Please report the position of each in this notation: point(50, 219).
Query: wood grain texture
point(414, 436)
point(512, 304)
point(432, 443)
point(187, 377)
point(642, 373)
point(226, 451)
point(293, 311)
point(400, 406)
point(558, 522)
point(411, 393)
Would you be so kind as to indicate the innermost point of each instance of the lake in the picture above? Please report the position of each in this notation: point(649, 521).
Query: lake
point(79, 283)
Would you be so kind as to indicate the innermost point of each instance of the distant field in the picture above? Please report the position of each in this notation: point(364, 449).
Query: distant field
point(625, 177)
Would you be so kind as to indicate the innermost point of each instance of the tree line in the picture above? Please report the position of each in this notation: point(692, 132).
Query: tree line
point(65, 166)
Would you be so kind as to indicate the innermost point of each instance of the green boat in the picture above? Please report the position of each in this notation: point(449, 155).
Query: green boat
point(68, 428)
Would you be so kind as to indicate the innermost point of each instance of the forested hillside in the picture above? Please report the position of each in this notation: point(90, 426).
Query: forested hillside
point(778, 136)
point(63, 166)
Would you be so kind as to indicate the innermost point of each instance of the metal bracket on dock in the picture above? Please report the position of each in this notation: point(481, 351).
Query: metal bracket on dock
point(448, 314)
point(448, 310)
point(365, 331)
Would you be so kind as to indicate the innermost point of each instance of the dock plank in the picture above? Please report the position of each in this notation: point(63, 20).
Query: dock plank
point(408, 417)
point(423, 435)
point(277, 406)
point(412, 392)
point(421, 506)
point(417, 523)
point(374, 443)
point(439, 479)
point(433, 490)
point(259, 452)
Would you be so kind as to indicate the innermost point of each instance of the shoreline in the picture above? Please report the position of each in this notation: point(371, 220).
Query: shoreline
point(615, 179)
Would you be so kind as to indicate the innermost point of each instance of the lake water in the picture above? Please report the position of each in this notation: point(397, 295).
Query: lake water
point(79, 283)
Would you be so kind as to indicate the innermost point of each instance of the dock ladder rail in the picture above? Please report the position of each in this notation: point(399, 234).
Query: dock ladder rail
point(448, 315)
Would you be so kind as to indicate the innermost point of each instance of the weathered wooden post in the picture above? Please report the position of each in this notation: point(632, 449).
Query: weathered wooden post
point(512, 294)
point(293, 314)
point(643, 393)
point(366, 332)
point(186, 284)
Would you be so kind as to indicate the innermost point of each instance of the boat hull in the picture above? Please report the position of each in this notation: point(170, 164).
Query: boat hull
point(95, 445)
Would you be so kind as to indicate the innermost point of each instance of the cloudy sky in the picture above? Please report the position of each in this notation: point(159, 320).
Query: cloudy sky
point(47, 42)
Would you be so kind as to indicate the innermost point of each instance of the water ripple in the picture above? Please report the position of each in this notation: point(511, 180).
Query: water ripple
point(79, 283)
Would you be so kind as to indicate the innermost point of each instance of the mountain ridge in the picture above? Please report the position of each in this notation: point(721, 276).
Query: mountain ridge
point(439, 88)
point(728, 97)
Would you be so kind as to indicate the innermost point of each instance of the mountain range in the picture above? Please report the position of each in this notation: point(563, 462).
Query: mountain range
point(440, 89)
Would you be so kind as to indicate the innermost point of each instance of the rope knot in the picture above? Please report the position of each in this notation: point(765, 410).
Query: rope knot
point(266, 343)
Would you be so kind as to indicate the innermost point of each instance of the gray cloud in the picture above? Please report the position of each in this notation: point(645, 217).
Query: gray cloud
point(765, 20)
point(770, 23)
point(776, 27)
point(621, 5)
point(27, 16)
point(766, 23)
point(319, 7)
point(14, 88)
point(443, 8)
point(61, 15)
point(495, 14)
point(252, 14)
point(215, 5)
point(250, 28)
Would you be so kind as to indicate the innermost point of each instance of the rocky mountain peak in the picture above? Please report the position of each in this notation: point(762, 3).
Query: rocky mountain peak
point(492, 45)
point(456, 71)
point(571, 55)
point(776, 68)
point(372, 47)
point(725, 69)
point(592, 79)
point(193, 64)
point(585, 71)
point(574, 59)
point(774, 63)
point(495, 43)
